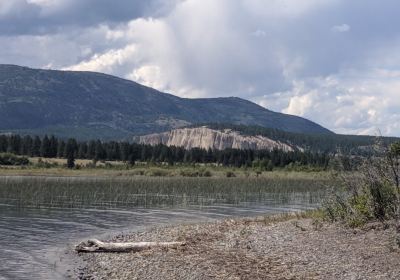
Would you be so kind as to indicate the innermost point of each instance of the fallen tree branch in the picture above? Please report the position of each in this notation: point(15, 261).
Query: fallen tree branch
point(94, 245)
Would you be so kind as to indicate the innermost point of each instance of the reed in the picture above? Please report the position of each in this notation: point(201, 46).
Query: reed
point(144, 191)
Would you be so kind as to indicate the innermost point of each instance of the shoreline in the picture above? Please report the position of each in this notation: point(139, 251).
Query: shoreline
point(287, 246)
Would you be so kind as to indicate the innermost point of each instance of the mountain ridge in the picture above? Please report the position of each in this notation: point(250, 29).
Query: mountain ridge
point(96, 105)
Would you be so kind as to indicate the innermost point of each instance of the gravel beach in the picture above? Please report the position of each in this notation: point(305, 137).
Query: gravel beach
point(255, 248)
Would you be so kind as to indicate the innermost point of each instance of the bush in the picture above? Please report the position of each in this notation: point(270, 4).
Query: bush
point(45, 164)
point(92, 164)
point(189, 173)
point(157, 172)
point(11, 159)
point(374, 195)
point(201, 172)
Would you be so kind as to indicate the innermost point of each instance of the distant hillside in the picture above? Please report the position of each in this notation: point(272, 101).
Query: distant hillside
point(206, 138)
point(93, 105)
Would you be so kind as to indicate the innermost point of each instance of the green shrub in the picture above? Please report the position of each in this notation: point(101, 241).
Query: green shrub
point(372, 196)
point(157, 172)
point(188, 173)
point(11, 159)
point(200, 172)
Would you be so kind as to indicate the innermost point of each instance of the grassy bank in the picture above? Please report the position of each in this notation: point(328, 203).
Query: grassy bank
point(56, 167)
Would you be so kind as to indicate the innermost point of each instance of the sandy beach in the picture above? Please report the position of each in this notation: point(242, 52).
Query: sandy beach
point(278, 247)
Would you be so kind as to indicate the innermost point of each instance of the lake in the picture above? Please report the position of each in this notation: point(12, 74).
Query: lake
point(37, 243)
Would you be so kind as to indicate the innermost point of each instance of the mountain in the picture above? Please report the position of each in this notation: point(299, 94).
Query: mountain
point(94, 105)
point(206, 138)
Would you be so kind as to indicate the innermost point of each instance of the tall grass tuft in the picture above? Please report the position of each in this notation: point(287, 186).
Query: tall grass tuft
point(372, 195)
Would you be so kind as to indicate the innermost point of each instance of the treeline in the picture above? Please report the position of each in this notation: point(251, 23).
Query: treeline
point(360, 145)
point(52, 147)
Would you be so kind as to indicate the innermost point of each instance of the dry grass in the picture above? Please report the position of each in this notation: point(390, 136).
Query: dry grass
point(119, 169)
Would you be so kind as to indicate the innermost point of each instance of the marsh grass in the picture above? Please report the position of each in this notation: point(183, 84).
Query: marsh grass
point(144, 191)
point(57, 167)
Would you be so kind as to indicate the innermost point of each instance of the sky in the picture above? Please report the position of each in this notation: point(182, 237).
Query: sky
point(336, 62)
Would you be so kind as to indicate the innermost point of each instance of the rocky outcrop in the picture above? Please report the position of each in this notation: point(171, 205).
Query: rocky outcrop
point(204, 137)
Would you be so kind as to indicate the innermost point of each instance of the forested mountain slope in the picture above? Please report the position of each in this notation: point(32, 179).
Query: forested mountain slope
point(89, 105)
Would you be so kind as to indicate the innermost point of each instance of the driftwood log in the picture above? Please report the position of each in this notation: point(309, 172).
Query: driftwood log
point(94, 245)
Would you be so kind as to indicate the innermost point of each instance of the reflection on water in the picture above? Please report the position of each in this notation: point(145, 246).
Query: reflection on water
point(34, 242)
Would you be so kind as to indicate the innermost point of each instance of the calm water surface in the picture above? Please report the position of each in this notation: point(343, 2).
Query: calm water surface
point(38, 243)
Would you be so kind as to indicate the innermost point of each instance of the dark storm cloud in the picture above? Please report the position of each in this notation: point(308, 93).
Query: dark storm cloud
point(48, 16)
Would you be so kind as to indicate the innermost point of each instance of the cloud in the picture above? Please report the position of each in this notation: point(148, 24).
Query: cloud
point(302, 57)
point(347, 102)
point(43, 16)
point(340, 28)
point(299, 105)
point(106, 62)
point(259, 33)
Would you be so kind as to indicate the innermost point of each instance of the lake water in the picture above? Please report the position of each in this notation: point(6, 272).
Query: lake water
point(38, 243)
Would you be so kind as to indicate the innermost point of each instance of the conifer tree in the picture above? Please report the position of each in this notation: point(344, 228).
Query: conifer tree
point(132, 159)
point(37, 143)
point(70, 153)
point(3, 143)
point(82, 150)
point(61, 149)
point(45, 147)
point(124, 151)
point(53, 143)
point(26, 146)
point(91, 150)
point(99, 151)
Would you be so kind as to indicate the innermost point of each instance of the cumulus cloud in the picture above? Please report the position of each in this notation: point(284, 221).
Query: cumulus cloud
point(348, 102)
point(106, 62)
point(300, 57)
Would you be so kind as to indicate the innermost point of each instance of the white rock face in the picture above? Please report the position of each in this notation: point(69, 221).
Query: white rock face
point(204, 137)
